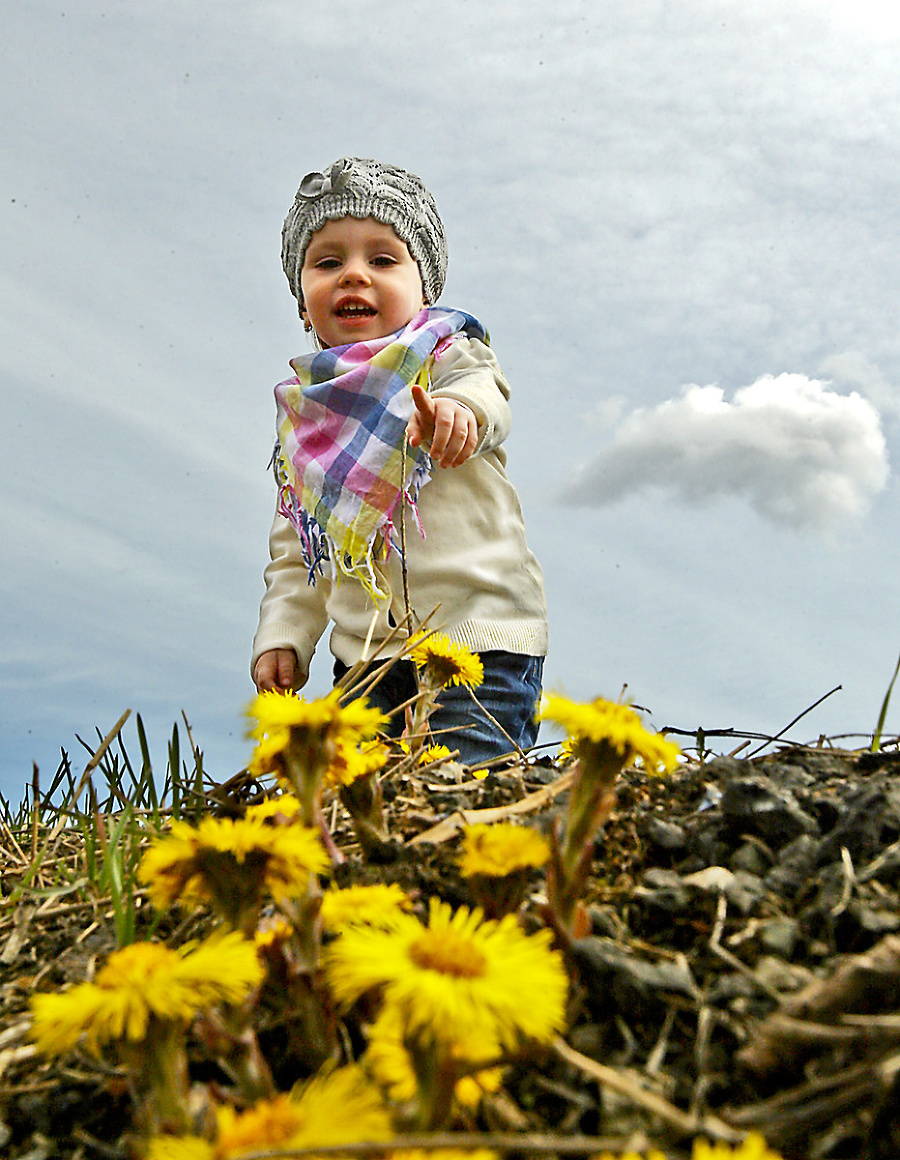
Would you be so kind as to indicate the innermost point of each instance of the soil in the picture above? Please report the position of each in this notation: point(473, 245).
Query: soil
point(742, 970)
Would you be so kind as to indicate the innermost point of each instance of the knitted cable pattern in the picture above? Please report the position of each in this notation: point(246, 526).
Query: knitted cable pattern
point(361, 187)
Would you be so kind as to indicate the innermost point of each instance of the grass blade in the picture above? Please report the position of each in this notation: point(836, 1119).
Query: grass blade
point(879, 728)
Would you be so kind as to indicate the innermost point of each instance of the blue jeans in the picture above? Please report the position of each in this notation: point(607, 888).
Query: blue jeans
point(509, 692)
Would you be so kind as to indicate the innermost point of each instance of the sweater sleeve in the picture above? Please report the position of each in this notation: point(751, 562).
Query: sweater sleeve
point(292, 612)
point(469, 372)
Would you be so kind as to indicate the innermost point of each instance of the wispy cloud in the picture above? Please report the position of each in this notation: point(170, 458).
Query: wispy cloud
point(851, 369)
point(800, 453)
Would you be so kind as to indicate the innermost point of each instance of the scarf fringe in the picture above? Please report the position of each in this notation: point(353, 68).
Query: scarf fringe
point(317, 546)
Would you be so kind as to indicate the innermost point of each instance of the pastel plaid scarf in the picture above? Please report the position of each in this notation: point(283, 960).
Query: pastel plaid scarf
point(341, 460)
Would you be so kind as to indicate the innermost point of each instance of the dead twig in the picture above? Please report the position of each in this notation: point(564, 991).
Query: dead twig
point(528, 1143)
point(683, 1122)
point(447, 828)
point(715, 945)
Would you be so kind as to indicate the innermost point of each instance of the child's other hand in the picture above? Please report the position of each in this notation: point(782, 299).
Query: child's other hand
point(449, 426)
point(275, 669)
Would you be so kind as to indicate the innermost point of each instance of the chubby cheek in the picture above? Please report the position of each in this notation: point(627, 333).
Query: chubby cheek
point(304, 291)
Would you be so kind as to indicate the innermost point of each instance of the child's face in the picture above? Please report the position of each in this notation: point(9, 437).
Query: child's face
point(359, 281)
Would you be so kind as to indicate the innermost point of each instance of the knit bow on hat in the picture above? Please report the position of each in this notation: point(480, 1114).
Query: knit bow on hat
point(316, 185)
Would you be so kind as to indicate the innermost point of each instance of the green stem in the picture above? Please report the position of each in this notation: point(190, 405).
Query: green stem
point(160, 1069)
point(364, 802)
point(876, 737)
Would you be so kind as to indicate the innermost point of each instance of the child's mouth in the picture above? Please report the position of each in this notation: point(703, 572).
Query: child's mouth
point(355, 310)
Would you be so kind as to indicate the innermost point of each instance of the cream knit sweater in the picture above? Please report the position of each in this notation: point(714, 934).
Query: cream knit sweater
point(473, 563)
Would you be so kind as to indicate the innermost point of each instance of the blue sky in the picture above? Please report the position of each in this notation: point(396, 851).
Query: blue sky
point(679, 223)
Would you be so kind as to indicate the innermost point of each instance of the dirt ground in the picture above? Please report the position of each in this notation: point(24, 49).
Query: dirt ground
point(742, 971)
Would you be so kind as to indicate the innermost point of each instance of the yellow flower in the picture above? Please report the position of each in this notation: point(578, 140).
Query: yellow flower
point(275, 933)
point(606, 722)
point(142, 982)
point(283, 806)
point(433, 753)
point(566, 751)
point(282, 717)
point(376, 905)
point(232, 862)
point(277, 712)
point(268, 754)
point(443, 1154)
point(351, 762)
point(179, 1148)
point(389, 1063)
point(653, 1154)
point(753, 1148)
point(501, 849)
point(459, 976)
point(339, 1107)
point(445, 662)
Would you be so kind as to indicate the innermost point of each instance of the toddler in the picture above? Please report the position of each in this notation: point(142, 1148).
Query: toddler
point(402, 402)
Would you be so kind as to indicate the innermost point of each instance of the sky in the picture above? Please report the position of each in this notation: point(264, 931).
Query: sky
point(679, 222)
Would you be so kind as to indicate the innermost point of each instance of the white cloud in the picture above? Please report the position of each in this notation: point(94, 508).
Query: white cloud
point(852, 369)
point(871, 18)
point(801, 454)
point(651, 192)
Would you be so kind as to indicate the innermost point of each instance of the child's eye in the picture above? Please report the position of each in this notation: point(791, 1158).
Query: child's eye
point(384, 260)
point(327, 264)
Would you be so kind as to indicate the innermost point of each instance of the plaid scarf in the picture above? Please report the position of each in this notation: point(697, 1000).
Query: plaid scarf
point(341, 460)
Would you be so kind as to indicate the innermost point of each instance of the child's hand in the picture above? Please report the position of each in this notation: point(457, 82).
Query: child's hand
point(275, 669)
point(450, 427)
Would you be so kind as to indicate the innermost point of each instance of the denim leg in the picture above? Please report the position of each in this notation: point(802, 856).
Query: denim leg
point(509, 692)
point(396, 687)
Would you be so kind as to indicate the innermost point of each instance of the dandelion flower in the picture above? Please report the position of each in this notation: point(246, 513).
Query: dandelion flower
point(389, 1063)
point(351, 762)
point(605, 737)
point(338, 1107)
point(433, 753)
point(461, 973)
point(608, 723)
point(501, 849)
point(297, 740)
point(268, 756)
point(653, 1154)
point(753, 1148)
point(142, 983)
point(283, 807)
point(277, 714)
point(445, 662)
point(179, 1148)
point(376, 905)
point(353, 771)
point(497, 862)
point(566, 751)
point(233, 863)
point(427, 755)
point(440, 663)
point(443, 1154)
point(274, 933)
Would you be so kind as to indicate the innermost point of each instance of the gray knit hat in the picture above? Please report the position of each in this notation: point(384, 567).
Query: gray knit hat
point(360, 187)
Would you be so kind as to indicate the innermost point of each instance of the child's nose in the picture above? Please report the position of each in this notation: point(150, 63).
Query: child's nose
point(355, 270)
